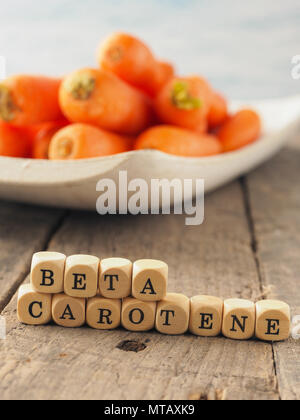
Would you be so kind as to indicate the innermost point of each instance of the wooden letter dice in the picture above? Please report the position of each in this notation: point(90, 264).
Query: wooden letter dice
point(138, 315)
point(34, 308)
point(239, 319)
point(150, 280)
point(206, 316)
point(47, 272)
point(273, 320)
point(173, 314)
point(81, 276)
point(115, 278)
point(67, 311)
point(103, 314)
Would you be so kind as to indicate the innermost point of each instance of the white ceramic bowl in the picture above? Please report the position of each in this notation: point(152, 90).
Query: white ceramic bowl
point(72, 184)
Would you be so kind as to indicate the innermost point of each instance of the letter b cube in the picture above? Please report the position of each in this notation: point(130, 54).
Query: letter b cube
point(47, 272)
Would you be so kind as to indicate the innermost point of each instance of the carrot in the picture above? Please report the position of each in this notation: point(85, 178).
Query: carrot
point(27, 100)
point(185, 102)
point(163, 74)
point(100, 98)
point(218, 113)
point(82, 141)
point(43, 137)
point(14, 141)
point(132, 60)
point(178, 141)
point(240, 130)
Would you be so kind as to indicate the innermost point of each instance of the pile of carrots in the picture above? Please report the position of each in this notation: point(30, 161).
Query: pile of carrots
point(131, 101)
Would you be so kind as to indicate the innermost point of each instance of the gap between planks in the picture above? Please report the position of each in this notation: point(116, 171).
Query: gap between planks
point(254, 247)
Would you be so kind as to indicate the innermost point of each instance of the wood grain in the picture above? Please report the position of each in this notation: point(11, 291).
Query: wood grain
point(275, 206)
point(23, 231)
point(216, 258)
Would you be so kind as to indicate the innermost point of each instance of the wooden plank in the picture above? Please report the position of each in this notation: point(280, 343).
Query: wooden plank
point(275, 205)
point(216, 258)
point(23, 231)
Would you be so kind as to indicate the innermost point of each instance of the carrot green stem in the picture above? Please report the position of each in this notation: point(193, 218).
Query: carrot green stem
point(182, 99)
point(81, 86)
point(7, 106)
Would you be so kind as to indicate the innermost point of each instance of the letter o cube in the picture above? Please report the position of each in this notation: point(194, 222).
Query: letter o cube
point(273, 320)
point(206, 316)
point(33, 308)
point(138, 315)
point(173, 314)
point(81, 276)
point(150, 280)
point(67, 311)
point(103, 314)
point(239, 319)
point(47, 272)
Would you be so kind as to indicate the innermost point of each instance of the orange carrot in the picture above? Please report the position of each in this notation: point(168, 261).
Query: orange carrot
point(43, 137)
point(218, 113)
point(132, 60)
point(163, 74)
point(178, 141)
point(240, 130)
point(185, 102)
point(82, 141)
point(100, 98)
point(27, 100)
point(14, 141)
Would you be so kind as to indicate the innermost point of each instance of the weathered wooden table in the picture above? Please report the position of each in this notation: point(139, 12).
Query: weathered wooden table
point(248, 247)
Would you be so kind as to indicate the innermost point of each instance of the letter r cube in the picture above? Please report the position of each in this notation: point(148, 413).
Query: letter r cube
point(47, 272)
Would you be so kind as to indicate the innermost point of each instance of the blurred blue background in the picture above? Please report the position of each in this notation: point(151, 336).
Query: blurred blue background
point(244, 48)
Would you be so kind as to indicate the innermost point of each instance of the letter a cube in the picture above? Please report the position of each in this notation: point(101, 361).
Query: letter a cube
point(150, 280)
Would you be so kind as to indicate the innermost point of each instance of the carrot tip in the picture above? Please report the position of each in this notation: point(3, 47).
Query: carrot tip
point(182, 99)
point(7, 106)
point(81, 86)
